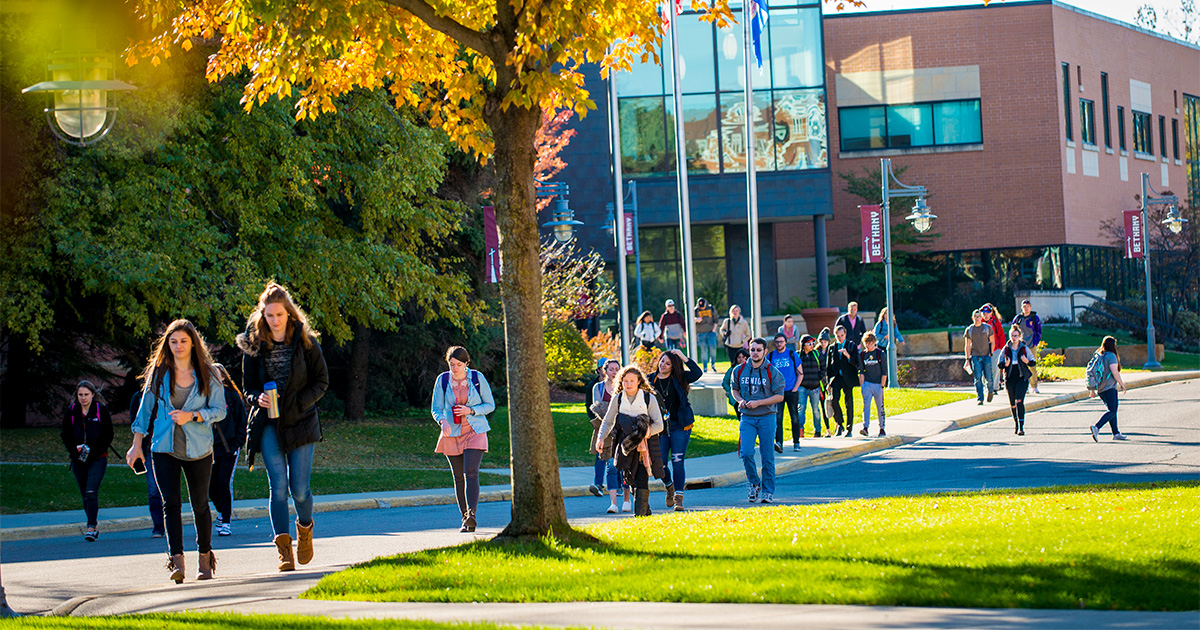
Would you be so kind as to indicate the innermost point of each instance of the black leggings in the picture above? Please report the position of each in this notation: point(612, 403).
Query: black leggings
point(465, 469)
point(841, 389)
point(88, 476)
point(167, 471)
point(220, 488)
point(1016, 388)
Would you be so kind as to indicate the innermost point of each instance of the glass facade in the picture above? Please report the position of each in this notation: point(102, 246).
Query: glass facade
point(788, 104)
point(1191, 145)
point(661, 266)
point(910, 125)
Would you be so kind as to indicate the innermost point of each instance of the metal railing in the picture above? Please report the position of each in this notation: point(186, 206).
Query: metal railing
point(1169, 331)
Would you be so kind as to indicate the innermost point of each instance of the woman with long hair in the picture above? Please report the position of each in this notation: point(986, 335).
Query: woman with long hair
point(647, 330)
point(281, 356)
point(228, 437)
point(462, 399)
point(1107, 390)
point(182, 398)
point(636, 420)
point(601, 395)
point(1017, 364)
point(87, 433)
point(673, 380)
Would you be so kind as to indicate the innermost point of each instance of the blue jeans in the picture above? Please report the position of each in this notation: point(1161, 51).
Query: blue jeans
point(673, 344)
point(1110, 417)
point(606, 471)
point(763, 428)
point(287, 471)
point(810, 398)
point(674, 449)
point(153, 496)
point(980, 366)
point(707, 345)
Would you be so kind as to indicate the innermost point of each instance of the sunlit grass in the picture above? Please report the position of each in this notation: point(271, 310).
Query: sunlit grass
point(199, 621)
point(1127, 547)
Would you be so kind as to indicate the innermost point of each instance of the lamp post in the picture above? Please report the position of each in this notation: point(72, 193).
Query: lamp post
point(1174, 223)
point(563, 218)
point(922, 220)
point(80, 78)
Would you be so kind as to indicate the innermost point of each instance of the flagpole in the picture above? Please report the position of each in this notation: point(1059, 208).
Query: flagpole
point(751, 181)
point(685, 213)
point(619, 218)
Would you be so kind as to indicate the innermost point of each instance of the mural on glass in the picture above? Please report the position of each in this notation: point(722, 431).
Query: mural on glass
point(800, 132)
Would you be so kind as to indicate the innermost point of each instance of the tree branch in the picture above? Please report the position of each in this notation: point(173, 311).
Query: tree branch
point(475, 40)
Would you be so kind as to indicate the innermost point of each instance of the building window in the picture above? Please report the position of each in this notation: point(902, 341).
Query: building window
point(1141, 133)
point(910, 125)
point(1175, 138)
point(1121, 126)
point(1104, 104)
point(1162, 134)
point(1087, 121)
point(1191, 145)
point(1066, 74)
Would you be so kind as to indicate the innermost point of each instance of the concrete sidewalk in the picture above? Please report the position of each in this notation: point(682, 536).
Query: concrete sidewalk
point(703, 472)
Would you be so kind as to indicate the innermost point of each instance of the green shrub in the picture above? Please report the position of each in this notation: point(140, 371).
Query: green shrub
point(568, 356)
point(1047, 363)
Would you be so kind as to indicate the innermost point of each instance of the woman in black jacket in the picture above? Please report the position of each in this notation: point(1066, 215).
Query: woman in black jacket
point(282, 353)
point(228, 437)
point(87, 432)
point(1017, 365)
point(810, 383)
point(842, 368)
point(676, 373)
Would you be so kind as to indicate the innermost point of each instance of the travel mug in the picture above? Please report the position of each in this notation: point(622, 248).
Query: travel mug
point(272, 393)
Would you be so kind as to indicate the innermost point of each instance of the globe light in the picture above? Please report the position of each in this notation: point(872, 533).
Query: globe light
point(1174, 221)
point(564, 221)
point(80, 79)
point(921, 217)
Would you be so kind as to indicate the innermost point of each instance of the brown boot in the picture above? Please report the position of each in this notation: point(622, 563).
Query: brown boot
point(304, 545)
point(175, 566)
point(678, 501)
point(208, 564)
point(283, 543)
point(670, 495)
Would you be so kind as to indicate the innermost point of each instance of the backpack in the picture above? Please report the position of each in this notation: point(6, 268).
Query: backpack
point(1095, 371)
point(770, 384)
point(445, 381)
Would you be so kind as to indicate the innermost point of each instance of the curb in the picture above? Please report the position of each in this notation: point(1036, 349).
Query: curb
point(713, 481)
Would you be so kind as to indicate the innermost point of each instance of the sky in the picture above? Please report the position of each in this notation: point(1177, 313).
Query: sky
point(1123, 10)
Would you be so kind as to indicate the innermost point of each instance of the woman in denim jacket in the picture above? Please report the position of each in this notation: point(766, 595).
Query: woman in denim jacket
point(462, 399)
point(182, 398)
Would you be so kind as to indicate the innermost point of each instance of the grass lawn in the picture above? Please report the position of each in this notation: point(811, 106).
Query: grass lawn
point(1129, 547)
point(195, 621)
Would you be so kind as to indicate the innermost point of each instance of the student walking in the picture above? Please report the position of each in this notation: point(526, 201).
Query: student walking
point(758, 387)
point(872, 377)
point(855, 326)
point(978, 348)
point(790, 333)
point(1108, 383)
point(735, 332)
point(280, 355)
point(636, 420)
point(811, 377)
point(182, 398)
point(991, 317)
point(842, 368)
point(673, 327)
point(883, 331)
point(742, 356)
point(785, 359)
point(705, 317)
point(647, 332)
point(87, 434)
point(462, 399)
point(676, 373)
point(228, 437)
point(1031, 332)
point(599, 397)
point(824, 339)
point(1018, 365)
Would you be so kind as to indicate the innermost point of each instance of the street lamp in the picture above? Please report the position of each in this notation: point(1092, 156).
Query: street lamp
point(632, 200)
point(80, 79)
point(563, 218)
point(922, 220)
point(1174, 223)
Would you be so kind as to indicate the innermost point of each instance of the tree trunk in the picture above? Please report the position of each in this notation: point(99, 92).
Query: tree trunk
point(13, 396)
point(537, 505)
point(360, 353)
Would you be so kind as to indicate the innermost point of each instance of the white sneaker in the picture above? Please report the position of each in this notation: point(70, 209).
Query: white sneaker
point(626, 507)
point(612, 508)
point(767, 498)
point(1095, 433)
point(1120, 437)
point(223, 528)
point(752, 497)
point(1035, 390)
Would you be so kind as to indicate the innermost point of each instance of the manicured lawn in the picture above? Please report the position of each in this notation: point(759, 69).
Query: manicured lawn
point(195, 621)
point(1130, 547)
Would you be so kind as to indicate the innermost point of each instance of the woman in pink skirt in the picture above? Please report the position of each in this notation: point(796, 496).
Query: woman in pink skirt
point(462, 399)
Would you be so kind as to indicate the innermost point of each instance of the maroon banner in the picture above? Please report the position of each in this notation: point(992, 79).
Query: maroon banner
point(872, 234)
point(491, 246)
point(628, 233)
point(1135, 234)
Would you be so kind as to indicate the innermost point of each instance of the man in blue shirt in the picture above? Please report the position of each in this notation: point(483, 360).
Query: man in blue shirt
point(758, 389)
point(785, 359)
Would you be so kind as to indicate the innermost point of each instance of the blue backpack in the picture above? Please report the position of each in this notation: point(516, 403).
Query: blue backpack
point(1096, 374)
point(445, 381)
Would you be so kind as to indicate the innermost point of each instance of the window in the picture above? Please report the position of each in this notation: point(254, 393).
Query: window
point(1191, 145)
point(1121, 126)
point(910, 125)
point(647, 143)
point(1175, 138)
point(1104, 104)
point(1066, 72)
point(1141, 133)
point(1087, 121)
point(1162, 134)
point(795, 62)
point(733, 133)
point(700, 133)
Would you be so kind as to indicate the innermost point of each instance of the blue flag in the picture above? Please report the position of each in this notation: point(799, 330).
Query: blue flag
point(758, 12)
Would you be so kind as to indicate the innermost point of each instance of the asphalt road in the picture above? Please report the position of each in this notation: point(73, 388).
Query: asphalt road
point(1162, 422)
